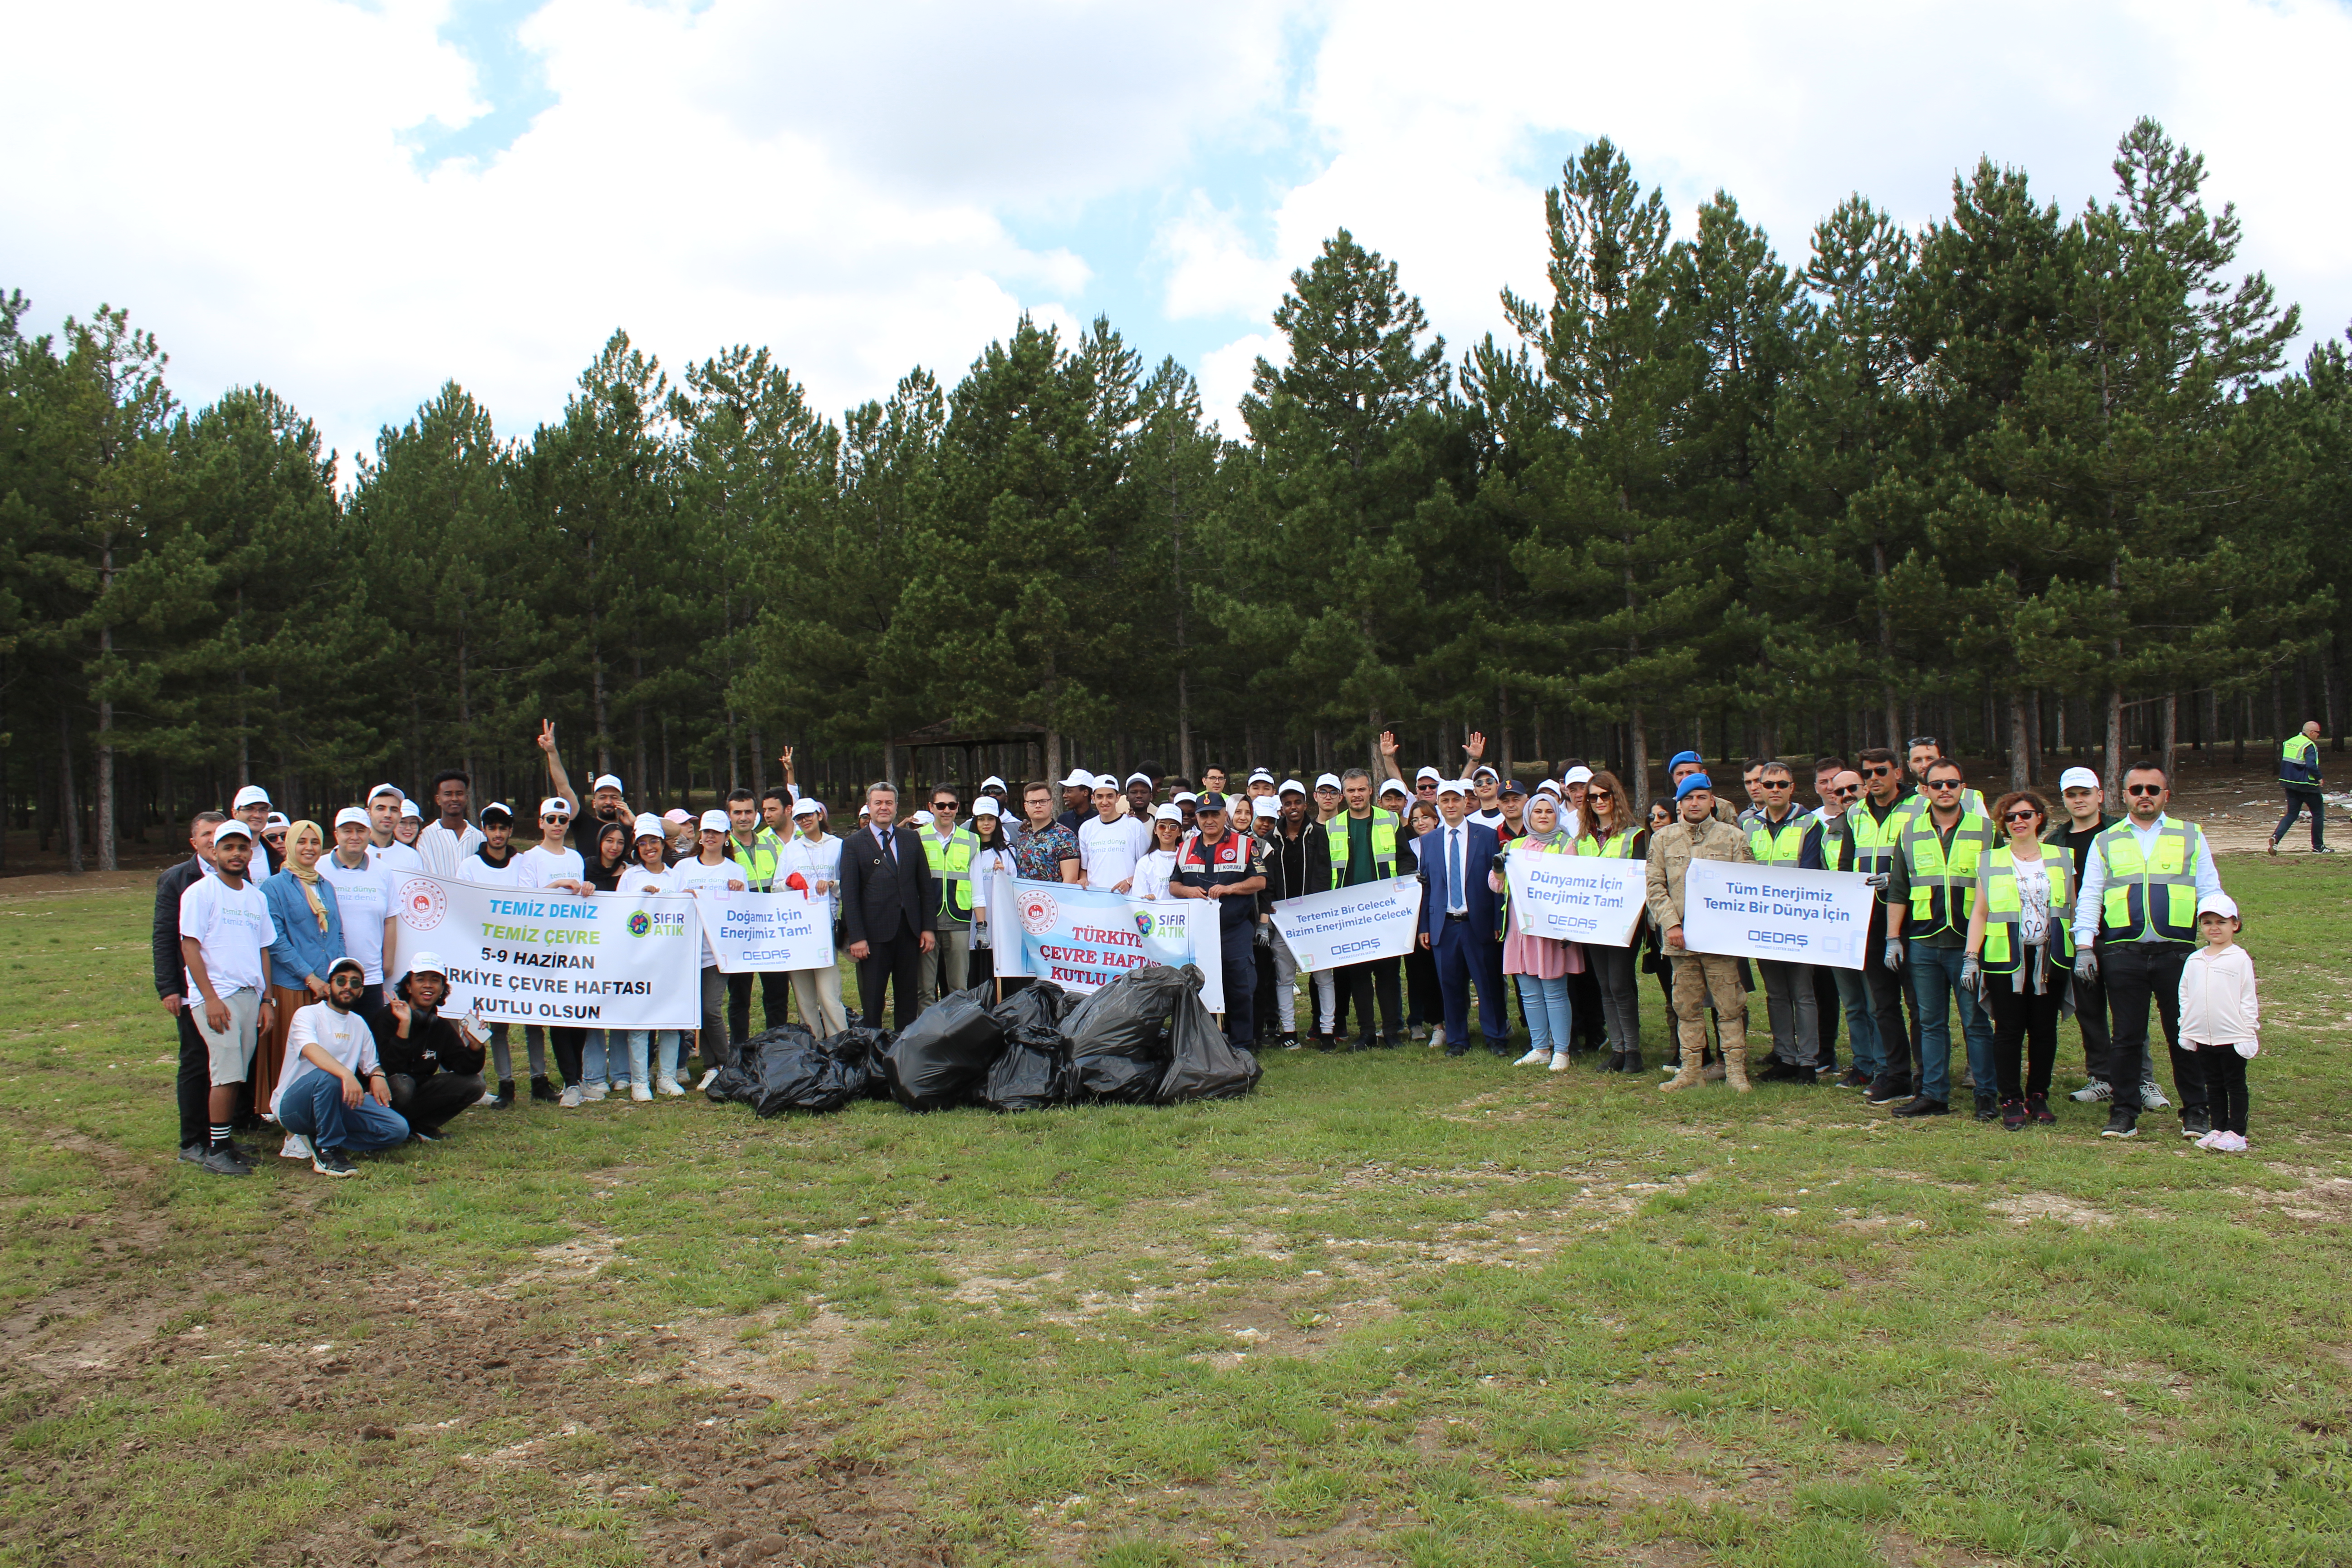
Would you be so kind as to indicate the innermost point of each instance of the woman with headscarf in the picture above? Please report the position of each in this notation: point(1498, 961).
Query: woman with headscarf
point(1542, 964)
point(309, 939)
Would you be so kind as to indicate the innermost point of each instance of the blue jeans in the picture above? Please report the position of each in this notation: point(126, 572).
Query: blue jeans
point(665, 1047)
point(593, 1065)
point(1545, 1003)
point(314, 1108)
point(1861, 1023)
point(1935, 984)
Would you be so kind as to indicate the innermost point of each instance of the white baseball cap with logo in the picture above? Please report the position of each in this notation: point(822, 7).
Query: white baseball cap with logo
point(648, 826)
point(555, 806)
point(2077, 778)
point(251, 794)
point(714, 822)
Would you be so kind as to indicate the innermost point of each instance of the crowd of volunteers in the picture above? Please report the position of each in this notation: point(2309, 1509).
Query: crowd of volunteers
point(278, 951)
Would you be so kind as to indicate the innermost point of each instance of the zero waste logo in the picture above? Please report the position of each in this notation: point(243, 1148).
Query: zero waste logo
point(1143, 922)
point(640, 924)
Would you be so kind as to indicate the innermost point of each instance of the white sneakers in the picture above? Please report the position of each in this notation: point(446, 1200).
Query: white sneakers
point(1560, 1061)
point(706, 1077)
point(667, 1086)
point(2152, 1098)
point(1438, 1038)
point(640, 1093)
point(1535, 1058)
point(592, 1092)
point(2222, 1142)
point(297, 1147)
point(570, 1100)
point(2093, 1092)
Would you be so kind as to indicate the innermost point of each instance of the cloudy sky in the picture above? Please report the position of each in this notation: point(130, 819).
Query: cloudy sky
point(353, 202)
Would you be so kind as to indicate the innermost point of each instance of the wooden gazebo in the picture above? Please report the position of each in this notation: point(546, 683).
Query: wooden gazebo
point(1025, 742)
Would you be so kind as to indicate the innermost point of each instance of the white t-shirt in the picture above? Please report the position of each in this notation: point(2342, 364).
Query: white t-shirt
point(364, 899)
point(816, 862)
point(231, 928)
point(1154, 873)
point(444, 851)
point(1107, 851)
point(536, 866)
point(474, 869)
point(397, 857)
point(635, 879)
point(693, 877)
point(343, 1035)
point(1487, 818)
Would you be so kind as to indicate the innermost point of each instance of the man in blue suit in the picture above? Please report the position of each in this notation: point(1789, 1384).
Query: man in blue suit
point(1459, 920)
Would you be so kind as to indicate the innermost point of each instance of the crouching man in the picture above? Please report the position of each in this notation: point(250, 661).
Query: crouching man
point(333, 1093)
point(434, 1064)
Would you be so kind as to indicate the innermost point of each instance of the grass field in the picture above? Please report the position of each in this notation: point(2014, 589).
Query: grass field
point(1393, 1309)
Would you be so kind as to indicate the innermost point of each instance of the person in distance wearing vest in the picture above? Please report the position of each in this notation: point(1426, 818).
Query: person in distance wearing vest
point(2134, 925)
point(1930, 893)
point(2299, 773)
point(1776, 837)
point(1875, 825)
point(1829, 846)
point(1359, 845)
point(2022, 953)
point(1216, 863)
point(1697, 833)
point(755, 848)
point(949, 850)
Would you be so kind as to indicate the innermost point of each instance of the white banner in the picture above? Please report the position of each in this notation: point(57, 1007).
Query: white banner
point(1595, 899)
point(612, 962)
point(1777, 912)
point(1349, 925)
point(756, 933)
point(1083, 941)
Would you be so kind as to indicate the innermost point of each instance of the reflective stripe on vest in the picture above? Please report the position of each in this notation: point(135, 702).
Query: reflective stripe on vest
point(1384, 834)
point(1937, 877)
point(2301, 754)
point(758, 859)
point(2004, 905)
point(2161, 884)
point(1777, 845)
point(1619, 844)
point(1874, 841)
point(952, 864)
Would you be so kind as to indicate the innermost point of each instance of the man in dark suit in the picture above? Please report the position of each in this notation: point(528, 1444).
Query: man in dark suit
point(887, 908)
point(1458, 919)
point(195, 1080)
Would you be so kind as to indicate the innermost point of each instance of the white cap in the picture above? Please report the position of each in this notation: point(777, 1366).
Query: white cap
point(714, 822)
point(351, 815)
point(1488, 771)
point(648, 826)
point(808, 805)
point(605, 781)
point(1551, 787)
point(2077, 778)
point(1329, 781)
point(987, 805)
point(251, 794)
point(1079, 779)
point(1261, 776)
point(991, 779)
point(1185, 797)
point(1168, 814)
point(1289, 785)
point(279, 819)
point(232, 828)
point(1397, 785)
point(428, 963)
point(380, 789)
point(1144, 778)
point(408, 808)
point(2218, 904)
point(554, 804)
point(499, 807)
point(1105, 781)
point(1432, 775)
point(920, 819)
point(1578, 775)
point(1454, 787)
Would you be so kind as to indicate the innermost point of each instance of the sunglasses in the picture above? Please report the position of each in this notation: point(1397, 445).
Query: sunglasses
point(1846, 791)
point(947, 806)
point(1774, 783)
point(2143, 789)
point(1942, 784)
point(2027, 815)
point(1600, 794)
point(345, 979)
point(1875, 771)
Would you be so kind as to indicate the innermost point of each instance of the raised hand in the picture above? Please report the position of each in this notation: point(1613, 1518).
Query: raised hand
point(1388, 743)
point(547, 736)
point(1476, 745)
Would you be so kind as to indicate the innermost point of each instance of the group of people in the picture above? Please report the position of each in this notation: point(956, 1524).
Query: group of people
point(277, 944)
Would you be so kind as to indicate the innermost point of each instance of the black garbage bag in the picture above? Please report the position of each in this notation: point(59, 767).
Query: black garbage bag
point(860, 1051)
point(1033, 1015)
point(944, 1054)
point(1118, 1044)
point(1027, 1077)
point(1205, 1065)
point(740, 1080)
point(802, 1077)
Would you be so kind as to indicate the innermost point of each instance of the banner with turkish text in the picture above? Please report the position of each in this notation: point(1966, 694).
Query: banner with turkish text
point(755, 933)
point(1082, 940)
point(614, 960)
point(1777, 911)
point(1349, 925)
point(1593, 899)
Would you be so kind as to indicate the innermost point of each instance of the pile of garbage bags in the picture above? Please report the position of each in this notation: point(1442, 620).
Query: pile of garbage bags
point(1145, 1038)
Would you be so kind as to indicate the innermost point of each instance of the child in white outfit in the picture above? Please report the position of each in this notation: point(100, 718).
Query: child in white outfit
point(2220, 1018)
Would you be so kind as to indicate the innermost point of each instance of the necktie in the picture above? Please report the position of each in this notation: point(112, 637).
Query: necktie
point(889, 849)
point(1459, 900)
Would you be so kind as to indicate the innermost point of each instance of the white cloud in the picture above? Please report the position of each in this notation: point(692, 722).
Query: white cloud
point(1225, 373)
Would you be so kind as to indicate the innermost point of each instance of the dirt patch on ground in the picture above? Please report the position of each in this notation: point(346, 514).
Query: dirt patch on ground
point(2024, 1208)
point(2328, 1199)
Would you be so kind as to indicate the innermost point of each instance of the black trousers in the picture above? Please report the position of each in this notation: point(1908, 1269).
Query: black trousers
point(2136, 973)
point(775, 992)
point(2299, 799)
point(569, 1043)
point(1375, 977)
point(2091, 1019)
point(1235, 940)
point(2225, 1085)
point(1892, 1005)
point(195, 1085)
point(1831, 1007)
point(1425, 1005)
point(890, 965)
point(429, 1102)
point(2023, 1026)
point(1587, 1030)
point(1263, 1010)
